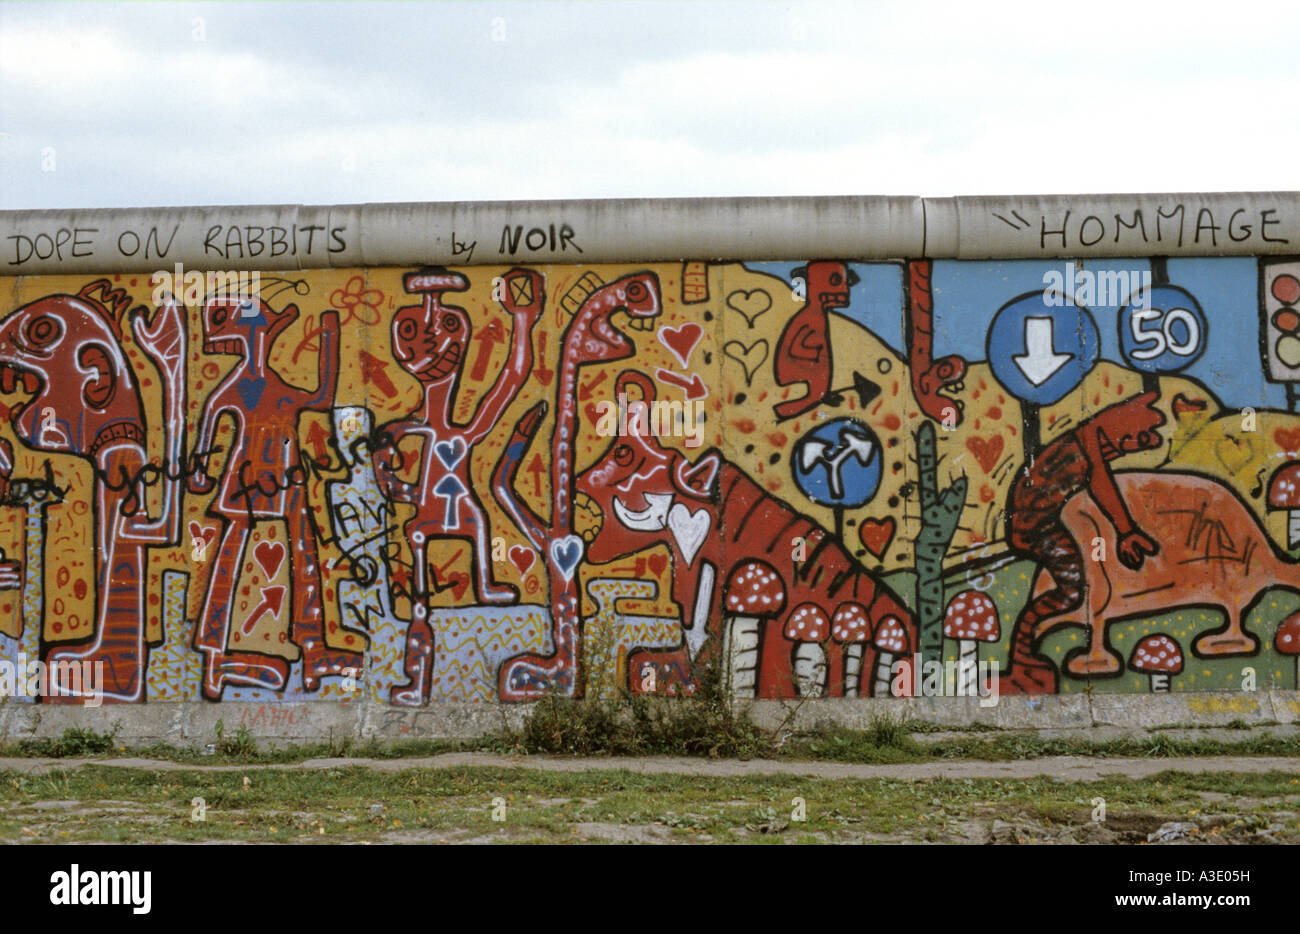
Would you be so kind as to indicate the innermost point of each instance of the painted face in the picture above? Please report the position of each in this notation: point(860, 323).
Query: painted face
point(431, 340)
point(638, 296)
point(632, 483)
point(233, 323)
point(61, 351)
point(829, 284)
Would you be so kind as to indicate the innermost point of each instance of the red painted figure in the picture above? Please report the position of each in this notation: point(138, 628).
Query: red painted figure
point(431, 341)
point(264, 480)
point(67, 352)
point(1076, 461)
point(803, 354)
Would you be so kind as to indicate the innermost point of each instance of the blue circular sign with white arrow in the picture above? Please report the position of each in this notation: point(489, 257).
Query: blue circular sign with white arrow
point(838, 463)
point(1161, 329)
point(1041, 345)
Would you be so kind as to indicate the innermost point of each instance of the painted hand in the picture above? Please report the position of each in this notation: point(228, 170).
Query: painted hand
point(1134, 547)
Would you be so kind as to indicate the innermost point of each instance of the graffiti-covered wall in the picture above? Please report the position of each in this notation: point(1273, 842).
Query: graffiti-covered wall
point(798, 478)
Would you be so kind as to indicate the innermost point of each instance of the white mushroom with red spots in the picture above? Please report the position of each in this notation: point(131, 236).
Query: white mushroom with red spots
point(971, 618)
point(1284, 493)
point(890, 641)
point(754, 593)
point(1287, 642)
point(1159, 657)
point(851, 627)
point(808, 627)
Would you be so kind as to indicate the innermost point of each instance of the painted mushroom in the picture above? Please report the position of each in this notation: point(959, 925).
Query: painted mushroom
point(754, 593)
point(851, 628)
point(1284, 493)
point(890, 642)
point(1159, 657)
point(808, 627)
point(971, 618)
point(1287, 642)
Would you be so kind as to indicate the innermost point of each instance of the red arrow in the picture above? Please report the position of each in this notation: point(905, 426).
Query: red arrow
point(587, 390)
point(316, 437)
point(537, 467)
point(272, 600)
point(694, 387)
point(487, 338)
point(543, 375)
point(372, 371)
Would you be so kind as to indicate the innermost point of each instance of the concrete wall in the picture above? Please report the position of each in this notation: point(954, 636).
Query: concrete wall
point(409, 485)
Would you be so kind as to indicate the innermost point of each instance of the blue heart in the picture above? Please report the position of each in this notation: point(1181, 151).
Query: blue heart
point(566, 553)
point(450, 452)
point(250, 390)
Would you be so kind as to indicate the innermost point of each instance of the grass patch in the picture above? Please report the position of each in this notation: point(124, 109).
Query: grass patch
point(355, 804)
point(74, 741)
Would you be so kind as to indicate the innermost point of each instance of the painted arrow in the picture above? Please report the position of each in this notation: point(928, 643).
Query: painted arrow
point(587, 390)
point(487, 339)
point(1040, 359)
point(537, 467)
point(272, 601)
point(694, 386)
point(540, 371)
point(372, 371)
point(451, 489)
point(317, 438)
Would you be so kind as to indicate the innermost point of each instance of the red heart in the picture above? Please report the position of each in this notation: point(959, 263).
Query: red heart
point(658, 563)
point(459, 584)
point(270, 555)
point(876, 534)
point(522, 557)
point(593, 413)
point(202, 531)
point(681, 341)
point(1288, 440)
point(986, 452)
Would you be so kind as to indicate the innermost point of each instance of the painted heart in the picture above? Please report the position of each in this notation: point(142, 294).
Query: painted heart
point(681, 341)
point(1234, 453)
point(566, 553)
point(270, 555)
point(1288, 439)
point(750, 358)
point(749, 304)
point(250, 391)
point(986, 451)
point(201, 533)
point(658, 564)
point(689, 529)
point(522, 557)
point(876, 534)
point(450, 452)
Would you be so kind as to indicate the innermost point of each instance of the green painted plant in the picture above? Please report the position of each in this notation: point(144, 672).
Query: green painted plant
point(940, 511)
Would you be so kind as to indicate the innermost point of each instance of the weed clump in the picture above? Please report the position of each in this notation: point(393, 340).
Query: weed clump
point(74, 741)
point(626, 724)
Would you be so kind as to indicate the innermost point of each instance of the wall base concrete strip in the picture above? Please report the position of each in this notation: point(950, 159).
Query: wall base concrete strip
point(186, 723)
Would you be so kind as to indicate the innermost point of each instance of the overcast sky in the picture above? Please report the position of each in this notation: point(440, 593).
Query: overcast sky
point(147, 104)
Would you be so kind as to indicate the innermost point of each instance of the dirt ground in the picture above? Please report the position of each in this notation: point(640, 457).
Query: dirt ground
point(445, 799)
point(1066, 768)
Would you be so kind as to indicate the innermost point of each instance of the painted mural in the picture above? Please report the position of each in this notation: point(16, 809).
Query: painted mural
point(812, 478)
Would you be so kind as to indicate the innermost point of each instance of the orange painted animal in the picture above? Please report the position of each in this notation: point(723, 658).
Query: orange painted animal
point(1213, 553)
